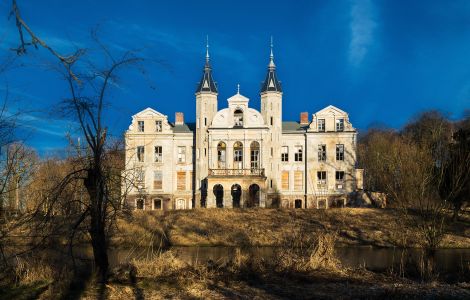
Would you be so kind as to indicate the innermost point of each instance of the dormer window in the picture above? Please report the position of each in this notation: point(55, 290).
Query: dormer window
point(140, 126)
point(340, 125)
point(321, 125)
point(158, 126)
point(238, 118)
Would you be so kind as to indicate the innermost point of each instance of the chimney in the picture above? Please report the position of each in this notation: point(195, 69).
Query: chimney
point(304, 118)
point(179, 118)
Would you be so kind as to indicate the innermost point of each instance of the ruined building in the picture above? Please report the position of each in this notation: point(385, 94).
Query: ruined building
point(241, 157)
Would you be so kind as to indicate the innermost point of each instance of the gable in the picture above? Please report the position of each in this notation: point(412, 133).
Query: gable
point(330, 109)
point(149, 113)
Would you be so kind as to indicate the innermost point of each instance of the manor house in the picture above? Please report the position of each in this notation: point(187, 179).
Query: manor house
point(241, 157)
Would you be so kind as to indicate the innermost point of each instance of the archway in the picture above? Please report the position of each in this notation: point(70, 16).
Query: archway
point(253, 192)
point(236, 195)
point(238, 118)
point(219, 195)
point(298, 203)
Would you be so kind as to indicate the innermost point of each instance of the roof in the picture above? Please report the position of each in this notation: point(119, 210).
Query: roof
point(271, 83)
point(207, 83)
point(293, 126)
point(184, 128)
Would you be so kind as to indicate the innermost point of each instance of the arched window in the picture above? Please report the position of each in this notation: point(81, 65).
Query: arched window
point(236, 195)
point(254, 155)
point(238, 118)
point(180, 204)
point(253, 200)
point(221, 148)
point(238, 155)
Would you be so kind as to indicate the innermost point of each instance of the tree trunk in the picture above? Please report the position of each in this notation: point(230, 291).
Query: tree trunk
point(93, 184)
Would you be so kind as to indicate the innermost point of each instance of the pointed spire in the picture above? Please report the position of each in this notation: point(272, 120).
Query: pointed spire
point(271, 83)
point(271, 56)
point(207, 49)
point(207, 83)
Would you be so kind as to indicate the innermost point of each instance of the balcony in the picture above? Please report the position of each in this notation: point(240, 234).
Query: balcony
point(236, 172)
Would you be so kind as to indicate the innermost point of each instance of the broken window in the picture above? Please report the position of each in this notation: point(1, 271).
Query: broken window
point(298, 153)
point(158, 126)
point(321, 178)
point(321, 152)
point(238, 117)
point(140, 126)
point(339, 176)
point(339, 152)
point(158, 154)
point(140, 153)
point(285, 153)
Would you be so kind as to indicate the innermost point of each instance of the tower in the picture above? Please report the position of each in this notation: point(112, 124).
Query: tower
point(271, 110)
point(206, 108)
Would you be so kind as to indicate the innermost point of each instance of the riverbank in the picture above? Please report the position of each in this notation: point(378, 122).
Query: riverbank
point(270, 227)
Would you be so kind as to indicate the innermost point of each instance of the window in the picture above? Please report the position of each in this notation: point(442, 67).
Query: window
point(157, 204)
point(182, 154)
point(140, 126)
point(158, 154)
point(205, 121)
point(285, 180)
point(321, 125)
point(181, 181)
point(140, 153)
point(238, 155)
point(158, 126)
point(254, 155)
point(321, 178)
point(321, 152)
point(339, 124)
point(340, 176)
point(340, 152)
point(139, 204)
point(238, 118)
point(298, 153)
point(157, 180)
point(298, 180)
point(140, 175)
point(221, 151)
point(271, 183)
point(298, 203)
point(272, 122)
point(285, 153)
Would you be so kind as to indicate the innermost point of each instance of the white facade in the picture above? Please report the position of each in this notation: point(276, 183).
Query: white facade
point(240, 157)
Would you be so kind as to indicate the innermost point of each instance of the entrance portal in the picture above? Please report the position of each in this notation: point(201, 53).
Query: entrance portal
point(219, 195)
point(236, 195)
point(254, 196)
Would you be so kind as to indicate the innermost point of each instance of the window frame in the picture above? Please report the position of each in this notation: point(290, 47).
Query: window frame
point(140, 154)
point(340, 152)
point(181, 155)
point(339, 124)
point(158, 155)
point(285, 155)
point(321, 128)
point(141, 126)
point(298, 153)
point(158, 125)
point(321, 152)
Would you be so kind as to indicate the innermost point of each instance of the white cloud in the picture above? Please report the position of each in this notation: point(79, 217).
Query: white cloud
point(362, 30)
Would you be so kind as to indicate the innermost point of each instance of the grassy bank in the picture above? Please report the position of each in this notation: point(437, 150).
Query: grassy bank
point(268, 227)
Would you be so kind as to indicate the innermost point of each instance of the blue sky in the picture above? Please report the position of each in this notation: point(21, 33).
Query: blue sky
point(381, 61)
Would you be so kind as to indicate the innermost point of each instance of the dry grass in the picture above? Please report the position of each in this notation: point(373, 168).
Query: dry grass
point(268, 227)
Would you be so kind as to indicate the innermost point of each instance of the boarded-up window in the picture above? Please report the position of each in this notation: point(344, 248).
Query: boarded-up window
point(285, 180)
point(181, 181)
point(191, 181)
point(298, 180)
point(157, 180)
